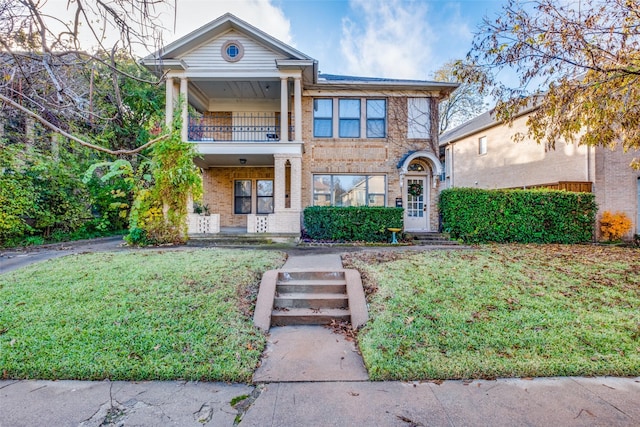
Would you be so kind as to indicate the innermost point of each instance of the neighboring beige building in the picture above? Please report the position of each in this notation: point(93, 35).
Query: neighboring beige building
point(274, 136)
point(481, 153)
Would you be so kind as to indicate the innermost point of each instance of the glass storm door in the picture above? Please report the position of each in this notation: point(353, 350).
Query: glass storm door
point(416, 215)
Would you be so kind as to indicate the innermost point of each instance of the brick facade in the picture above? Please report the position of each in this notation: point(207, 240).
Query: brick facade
point(617, 185)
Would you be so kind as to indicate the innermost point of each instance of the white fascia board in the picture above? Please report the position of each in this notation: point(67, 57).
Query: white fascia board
point(241, 148)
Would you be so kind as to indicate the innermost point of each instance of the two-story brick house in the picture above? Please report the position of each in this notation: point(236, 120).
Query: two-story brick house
point(481, 153)
point(275, 136)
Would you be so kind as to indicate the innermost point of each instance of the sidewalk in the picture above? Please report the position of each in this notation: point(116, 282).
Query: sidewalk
point(339, 398)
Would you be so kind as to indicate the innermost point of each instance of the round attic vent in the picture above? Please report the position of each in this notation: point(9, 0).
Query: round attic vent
point(232, 51)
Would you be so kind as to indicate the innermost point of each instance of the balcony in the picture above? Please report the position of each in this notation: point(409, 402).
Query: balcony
point(232, 126)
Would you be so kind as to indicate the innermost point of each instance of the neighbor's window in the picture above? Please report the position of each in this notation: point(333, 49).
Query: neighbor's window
point(418, 118)
point(265, 196)
point(242, 197)
point(349, 111)
point(323, 118)
point(482, 145)
point(349, 190)
point(376, 118)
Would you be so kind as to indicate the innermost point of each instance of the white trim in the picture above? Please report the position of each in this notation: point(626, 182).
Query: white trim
point(433, 160)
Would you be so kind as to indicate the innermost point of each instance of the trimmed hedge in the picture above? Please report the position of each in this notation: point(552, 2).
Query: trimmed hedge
point(523, 216)
point(367, 224)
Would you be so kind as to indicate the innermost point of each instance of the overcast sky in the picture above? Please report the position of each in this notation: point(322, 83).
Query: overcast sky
point(376, 38)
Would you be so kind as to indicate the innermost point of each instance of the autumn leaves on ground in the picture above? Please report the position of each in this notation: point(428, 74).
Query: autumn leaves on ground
point(493, 311)
point(502, 311)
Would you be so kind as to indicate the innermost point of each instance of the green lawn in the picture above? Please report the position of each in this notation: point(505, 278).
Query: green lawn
point(502, 311)
point(133, 316)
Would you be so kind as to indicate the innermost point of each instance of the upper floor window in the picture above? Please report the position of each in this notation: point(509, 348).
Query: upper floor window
point(482, 145)
point(356, 118)
point(323, 118)
point(376, 118)
point(418, 118)
point(349, 118)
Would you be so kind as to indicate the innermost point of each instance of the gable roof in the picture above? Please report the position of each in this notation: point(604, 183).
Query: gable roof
point(217, 27)
point(483, 121)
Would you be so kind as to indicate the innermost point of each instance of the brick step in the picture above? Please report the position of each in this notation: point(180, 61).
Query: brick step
point(312, 286)
point(307, 316)
point(432, 238)
point(315, 301)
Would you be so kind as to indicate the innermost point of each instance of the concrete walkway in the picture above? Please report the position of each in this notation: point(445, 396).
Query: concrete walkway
point(337, 401)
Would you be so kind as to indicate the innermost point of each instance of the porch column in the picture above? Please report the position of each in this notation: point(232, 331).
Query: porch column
point(279, 193)
point(297, 109)
point(296, 182)
point(184, 95)
point(284, 111)
point(168, 109)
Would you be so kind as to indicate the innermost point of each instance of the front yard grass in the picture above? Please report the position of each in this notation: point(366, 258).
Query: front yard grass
point(134, 316)
point(501, 311)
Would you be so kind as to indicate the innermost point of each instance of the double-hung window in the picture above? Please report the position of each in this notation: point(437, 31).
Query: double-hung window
point(242, 196)
point(265, 196)
point(349, 111)
point(376, 118)
point(323, 118)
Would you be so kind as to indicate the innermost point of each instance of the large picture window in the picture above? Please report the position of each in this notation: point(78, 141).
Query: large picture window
point(349, 190)
point(265, 196)
point(323, 118)
point(242, 197)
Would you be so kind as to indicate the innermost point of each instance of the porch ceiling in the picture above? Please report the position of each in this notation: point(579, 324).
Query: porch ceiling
point(238, 89)
point(233, 160)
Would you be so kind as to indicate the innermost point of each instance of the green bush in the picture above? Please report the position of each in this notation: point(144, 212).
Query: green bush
point(524, 216)
point(349, 224)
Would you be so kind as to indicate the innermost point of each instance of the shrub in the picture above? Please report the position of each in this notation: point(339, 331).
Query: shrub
point(524, 216)
point(367, 224)
point(614, 225)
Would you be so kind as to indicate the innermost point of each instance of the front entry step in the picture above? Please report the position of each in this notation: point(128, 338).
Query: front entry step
point(310, 297)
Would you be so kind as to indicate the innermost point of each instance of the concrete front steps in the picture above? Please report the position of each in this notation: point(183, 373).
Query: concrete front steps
point(310, 297)
point(432, 239)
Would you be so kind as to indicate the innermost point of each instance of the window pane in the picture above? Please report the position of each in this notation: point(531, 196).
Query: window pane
point(322, 128)
point(375, 128)
point(350, 190)
point(322, 108)
point(419, 122)
point(242, 205)
point(265, 188)
point(377, 184)
point(243, 188)
point(376, 109)
point(242, 197)
point(322, 190)
point(350, 109)
point(349, 128)
point(265, 205)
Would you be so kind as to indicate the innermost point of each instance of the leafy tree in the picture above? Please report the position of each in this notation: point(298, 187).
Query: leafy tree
point(49, 77)
point(465, 103)
point(582, 60)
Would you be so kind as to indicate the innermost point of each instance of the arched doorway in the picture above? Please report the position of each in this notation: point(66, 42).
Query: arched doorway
point(417, 171)
point(416, 195)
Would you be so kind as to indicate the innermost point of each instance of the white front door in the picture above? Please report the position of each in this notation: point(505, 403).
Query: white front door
point(416, 211)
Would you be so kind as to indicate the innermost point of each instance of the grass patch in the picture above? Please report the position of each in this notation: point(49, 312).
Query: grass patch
point(502, 311)
point(134, 316)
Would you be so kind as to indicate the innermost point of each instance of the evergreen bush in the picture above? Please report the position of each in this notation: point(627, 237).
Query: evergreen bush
point(349, 224)
point(523, 216)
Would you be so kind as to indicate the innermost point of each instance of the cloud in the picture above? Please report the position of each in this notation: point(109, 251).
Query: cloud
point(391, 38)
point(262, 14)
